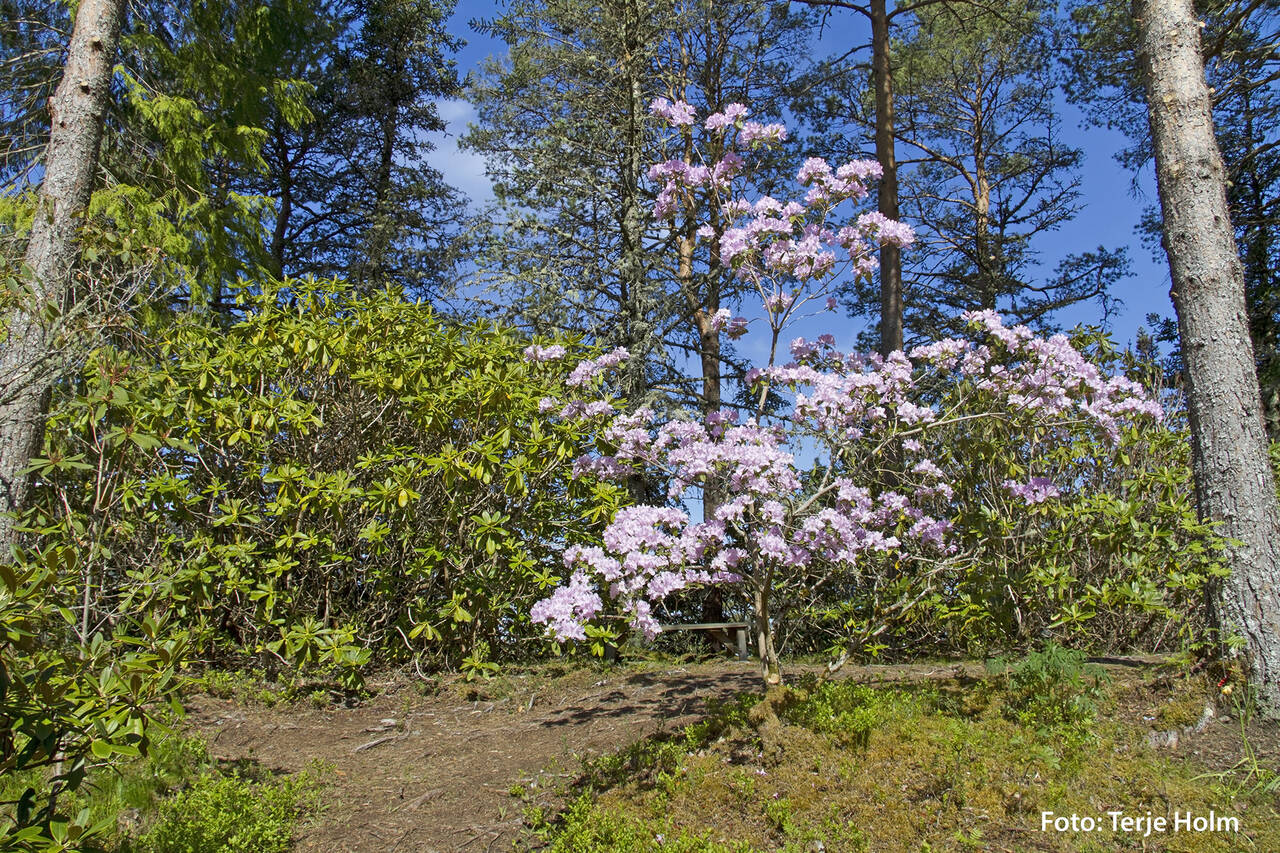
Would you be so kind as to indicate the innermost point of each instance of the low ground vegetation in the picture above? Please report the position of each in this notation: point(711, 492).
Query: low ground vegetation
point(954, 764)
point(179, 799)
point(943, 756)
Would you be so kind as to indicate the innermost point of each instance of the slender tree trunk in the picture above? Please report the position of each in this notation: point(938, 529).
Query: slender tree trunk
point(770, 666)
point(285, 211)
point(890, 256)
point(982, 255)
point(1234, 482)
point(632, 264)
point(712, 495)
point(372, 267)
point(77, 109)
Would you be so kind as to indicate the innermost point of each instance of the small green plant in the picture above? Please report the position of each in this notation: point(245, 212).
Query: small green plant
point(843, 709)
point(779, 814)
point(230, 814)
point(478, 665)
point(1054, 689)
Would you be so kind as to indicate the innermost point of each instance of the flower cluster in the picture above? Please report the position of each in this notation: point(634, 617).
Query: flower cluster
point(771, 520)
point(537, 353)
point(678, 113)
point(591, 368)
point(769, 239)
point(778, 519)
point(1037, 490)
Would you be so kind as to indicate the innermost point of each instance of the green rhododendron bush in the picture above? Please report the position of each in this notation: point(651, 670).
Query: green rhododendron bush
point(1113, 558)
point(1118, 561)
point(325, 481)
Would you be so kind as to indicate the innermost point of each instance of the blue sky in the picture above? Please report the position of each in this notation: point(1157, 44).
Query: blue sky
point(1109, 217)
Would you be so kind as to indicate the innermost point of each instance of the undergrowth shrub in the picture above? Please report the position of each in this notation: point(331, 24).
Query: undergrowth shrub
point(843, 709)
point(1048, 690)
point(73, 706)
point(230, 814)
point(324, 480)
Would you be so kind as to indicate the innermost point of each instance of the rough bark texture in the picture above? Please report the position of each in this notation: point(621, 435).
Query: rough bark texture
point(77, 109)
point(890, 256)
point(1234, 481)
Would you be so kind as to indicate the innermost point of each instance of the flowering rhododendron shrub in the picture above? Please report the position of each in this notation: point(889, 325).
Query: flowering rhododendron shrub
point(840, 490)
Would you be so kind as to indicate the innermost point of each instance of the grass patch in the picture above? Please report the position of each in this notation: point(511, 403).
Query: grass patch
point(178, 799)
point(934, 766)
point(256, 688)
point(229, 814)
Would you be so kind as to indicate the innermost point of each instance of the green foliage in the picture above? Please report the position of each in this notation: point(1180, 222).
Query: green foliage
point(590, 830)
point(563, 121)
point(1053, 689)
point(71, 702)
point(843, 709)
point(1119, 561)
point(174, 799)
point(229, 814)
point(198, 87)
point(328, 478)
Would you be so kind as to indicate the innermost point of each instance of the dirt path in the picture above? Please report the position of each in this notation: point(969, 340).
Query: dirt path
point(433, 773)
point(417, 772)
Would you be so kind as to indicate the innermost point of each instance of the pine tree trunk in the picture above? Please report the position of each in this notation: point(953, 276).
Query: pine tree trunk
point(890, 256)
point(77, 109)
point(1234, 481)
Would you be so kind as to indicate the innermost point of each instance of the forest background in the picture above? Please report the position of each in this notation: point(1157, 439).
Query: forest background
point(272, 401)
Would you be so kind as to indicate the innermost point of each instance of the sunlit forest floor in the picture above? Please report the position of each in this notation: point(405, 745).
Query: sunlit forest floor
point(676, 755)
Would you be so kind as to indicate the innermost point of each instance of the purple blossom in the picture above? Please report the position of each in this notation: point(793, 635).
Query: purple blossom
point(886, 230)
point(567, 610)
point(814, 169)
point(1034, 491)
point(537, 353)
point(753, 133)
point(726, 117)
point(591, 368)
point(677, 114)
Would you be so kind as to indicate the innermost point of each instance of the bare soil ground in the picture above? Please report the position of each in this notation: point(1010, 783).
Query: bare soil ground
point(423, 767)
point(418, 772)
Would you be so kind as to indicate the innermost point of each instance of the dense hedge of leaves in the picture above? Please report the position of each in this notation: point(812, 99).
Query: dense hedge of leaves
point(323, 480)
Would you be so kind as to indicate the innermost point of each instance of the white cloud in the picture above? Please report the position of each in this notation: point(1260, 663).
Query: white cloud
point(461, 169)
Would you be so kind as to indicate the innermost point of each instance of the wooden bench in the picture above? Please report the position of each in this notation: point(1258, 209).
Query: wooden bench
point(719, 632)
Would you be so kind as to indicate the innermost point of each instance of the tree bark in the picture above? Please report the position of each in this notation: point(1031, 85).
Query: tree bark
point(1234, 481)
point(77, 109)
point(887, 194)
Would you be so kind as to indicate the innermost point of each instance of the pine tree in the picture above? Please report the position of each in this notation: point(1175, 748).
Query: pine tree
point(354, 194)
point(1235, 484)
point(982, 170)
point(1241, 63)
point(78, 107)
